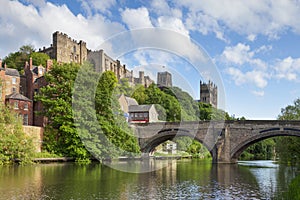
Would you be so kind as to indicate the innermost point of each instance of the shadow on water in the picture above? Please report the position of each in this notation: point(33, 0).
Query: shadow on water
point(184, 179)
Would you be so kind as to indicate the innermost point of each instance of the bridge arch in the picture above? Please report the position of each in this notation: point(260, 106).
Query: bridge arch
point(168, 134)
point(264, 134)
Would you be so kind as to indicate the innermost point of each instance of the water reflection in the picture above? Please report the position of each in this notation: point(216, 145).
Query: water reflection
point(185, 179)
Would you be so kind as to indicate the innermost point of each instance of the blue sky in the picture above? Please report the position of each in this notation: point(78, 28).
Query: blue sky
point(253, 44)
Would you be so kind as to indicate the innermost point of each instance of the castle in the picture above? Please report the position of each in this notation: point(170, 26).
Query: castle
point(164, 79)
point(66, 50)
point(209, 93)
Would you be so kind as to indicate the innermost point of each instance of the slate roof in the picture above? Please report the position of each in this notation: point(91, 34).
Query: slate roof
point(139, 108)
point(131, 101)
point(11, 72)
point(17, 96)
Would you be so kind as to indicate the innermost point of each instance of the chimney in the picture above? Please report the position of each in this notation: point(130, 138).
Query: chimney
point(26, 65)
point(49, 65)
point(30, 63)
point(4, 65)
point(0, 63)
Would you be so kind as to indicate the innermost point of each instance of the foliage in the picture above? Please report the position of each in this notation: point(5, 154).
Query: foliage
point(263, 150)
point(192, 147)
point(60, 135)
point(14, 143)
point(111, 117)
point(39, 58)
point(18, 59)
point(288, 147)
point(123, 87)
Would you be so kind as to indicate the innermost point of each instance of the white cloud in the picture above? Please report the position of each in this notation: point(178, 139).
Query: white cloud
point(136, 18)
point(251, 37)
point(255, 17)
point(173, 24)
point(241, 54)
point(162, 8)
point(258, 93)
point(259, 78)
point(204, 24)
point(95, 5)
point(21, 23)
point(288, 69)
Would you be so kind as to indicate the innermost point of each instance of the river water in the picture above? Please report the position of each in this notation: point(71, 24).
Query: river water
point(181, 179)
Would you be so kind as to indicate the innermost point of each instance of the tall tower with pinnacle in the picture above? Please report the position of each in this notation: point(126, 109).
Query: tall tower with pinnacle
point(209, 93)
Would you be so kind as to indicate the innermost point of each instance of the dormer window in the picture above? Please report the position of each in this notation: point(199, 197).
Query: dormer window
point(40, 71)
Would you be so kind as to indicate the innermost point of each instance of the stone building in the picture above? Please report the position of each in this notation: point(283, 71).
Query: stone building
point(21, 105)
point(31, 82)
point(146, 81)
point(164, 79)
point(64, 49)
point(142, 113)
point(209, 93)
point(10, 80)
point(10, 94)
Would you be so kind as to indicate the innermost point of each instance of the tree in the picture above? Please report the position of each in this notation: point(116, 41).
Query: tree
point(124, 87)
point(14, 143)
point(39, 58)
point(61, 136)
point(17, 59)
point(111, 117)
point(139, 94)
point(288, 147)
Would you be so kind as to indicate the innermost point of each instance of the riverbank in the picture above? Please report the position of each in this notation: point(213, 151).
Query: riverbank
point(70, 159)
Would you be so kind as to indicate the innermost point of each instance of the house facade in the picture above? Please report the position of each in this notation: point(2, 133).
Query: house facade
point(21, 105)
point(142, 113)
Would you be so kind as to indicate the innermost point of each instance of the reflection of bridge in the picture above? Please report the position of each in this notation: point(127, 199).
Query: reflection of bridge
point(225, 140)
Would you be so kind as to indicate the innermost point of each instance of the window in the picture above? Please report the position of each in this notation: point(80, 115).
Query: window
point(16, 105)
point(25, 106)
point(14, 80)
point(145, 115)
point(13, 89)
point(25, 119)
point(40, 71)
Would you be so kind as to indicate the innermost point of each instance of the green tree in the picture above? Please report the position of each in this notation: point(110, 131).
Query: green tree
point(124, 87)
point(39, 58)
point(139, 94)
point(14, 143)
point(18, 59)
point(288, 147)
point(111, 117)
point(61, 136)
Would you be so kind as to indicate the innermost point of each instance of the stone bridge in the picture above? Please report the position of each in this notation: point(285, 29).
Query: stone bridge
point(225, 140)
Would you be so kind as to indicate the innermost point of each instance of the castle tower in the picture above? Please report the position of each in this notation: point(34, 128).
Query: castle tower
point(164, 79)
point(66, 50)
point(209, 93)
point(141, 78)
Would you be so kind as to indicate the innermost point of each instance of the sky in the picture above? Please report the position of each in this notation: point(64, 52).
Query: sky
point(250, 49)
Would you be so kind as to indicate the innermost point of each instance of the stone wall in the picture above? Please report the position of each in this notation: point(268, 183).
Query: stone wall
point(37, 135)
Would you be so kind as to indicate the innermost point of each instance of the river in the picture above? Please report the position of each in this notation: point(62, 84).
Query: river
point(180, 179)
